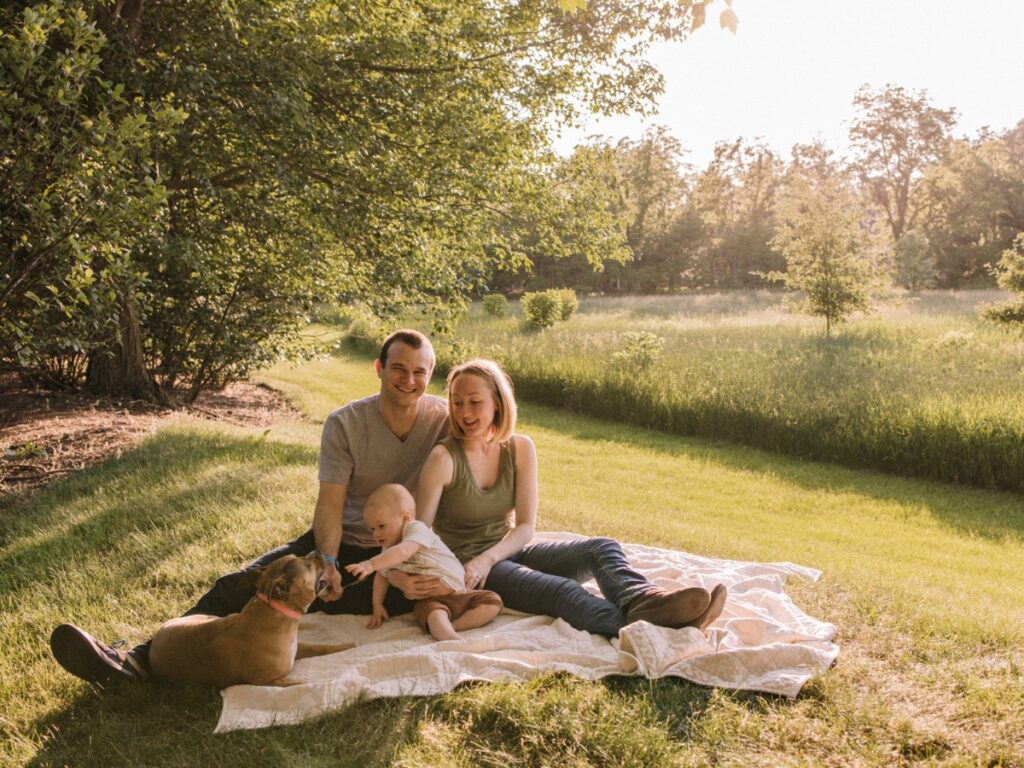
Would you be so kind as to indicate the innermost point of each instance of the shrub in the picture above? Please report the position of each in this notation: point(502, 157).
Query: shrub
point(541, 309)
point(496, 305)
point(640, 350)
point(1010, 275)
point(568, 301)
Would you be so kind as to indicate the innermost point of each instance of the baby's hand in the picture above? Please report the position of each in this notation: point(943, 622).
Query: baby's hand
point(380, 615)
point(360, 570)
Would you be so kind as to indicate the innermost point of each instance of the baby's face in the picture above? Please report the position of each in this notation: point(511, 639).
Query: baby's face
point(385, 524)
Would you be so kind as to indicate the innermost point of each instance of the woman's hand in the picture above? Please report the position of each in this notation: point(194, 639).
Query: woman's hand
point(477, 571)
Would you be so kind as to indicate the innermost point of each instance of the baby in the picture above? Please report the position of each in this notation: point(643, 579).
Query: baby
point(409, 545)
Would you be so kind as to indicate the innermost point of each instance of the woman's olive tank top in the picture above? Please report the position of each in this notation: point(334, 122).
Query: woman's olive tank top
point(469, 519)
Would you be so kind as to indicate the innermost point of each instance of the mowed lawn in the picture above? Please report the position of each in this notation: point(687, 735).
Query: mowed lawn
point(922, 579)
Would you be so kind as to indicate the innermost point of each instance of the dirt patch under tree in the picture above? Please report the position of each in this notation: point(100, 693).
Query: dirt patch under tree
point(45, 435)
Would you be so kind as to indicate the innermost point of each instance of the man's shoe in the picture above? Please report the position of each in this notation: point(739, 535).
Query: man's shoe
point(670, 609)
point(714, 609)
point(84, 656)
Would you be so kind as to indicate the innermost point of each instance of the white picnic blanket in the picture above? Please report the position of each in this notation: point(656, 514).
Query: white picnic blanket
point(762, 642)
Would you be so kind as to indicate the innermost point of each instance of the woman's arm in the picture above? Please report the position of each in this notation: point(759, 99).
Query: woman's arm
point(525, 513)
point(435, 475)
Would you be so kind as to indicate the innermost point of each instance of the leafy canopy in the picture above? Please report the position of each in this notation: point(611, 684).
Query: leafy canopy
point(182, 188)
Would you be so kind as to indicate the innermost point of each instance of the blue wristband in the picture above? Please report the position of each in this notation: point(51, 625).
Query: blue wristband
point(332, 560)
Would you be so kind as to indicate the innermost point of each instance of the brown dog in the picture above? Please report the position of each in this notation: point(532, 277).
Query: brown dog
point(257, 646)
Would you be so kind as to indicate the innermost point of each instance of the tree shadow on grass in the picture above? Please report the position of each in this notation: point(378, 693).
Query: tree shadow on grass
point(110, 548)
point(989, 514)
point(142, 507)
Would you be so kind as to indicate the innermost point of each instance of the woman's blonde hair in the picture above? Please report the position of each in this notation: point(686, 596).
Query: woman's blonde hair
point(501, 389)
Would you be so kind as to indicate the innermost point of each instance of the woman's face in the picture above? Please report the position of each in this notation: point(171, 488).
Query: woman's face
point(472, 405)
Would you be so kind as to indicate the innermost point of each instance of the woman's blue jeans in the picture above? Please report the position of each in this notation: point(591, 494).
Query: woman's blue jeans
point(545, 578)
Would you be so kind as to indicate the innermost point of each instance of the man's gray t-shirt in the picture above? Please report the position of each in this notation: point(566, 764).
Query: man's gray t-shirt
point(358, 450)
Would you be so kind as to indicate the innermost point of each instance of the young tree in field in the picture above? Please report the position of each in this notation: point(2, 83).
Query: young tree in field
point(896, 135)
point(820, 231)
point(250, 159)
point(1010, 275)
point(915, 264)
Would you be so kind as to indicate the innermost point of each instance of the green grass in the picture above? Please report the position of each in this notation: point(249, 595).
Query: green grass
point(922, 387)
point(921, 578)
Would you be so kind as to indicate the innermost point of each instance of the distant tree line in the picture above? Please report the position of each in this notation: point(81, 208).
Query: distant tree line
point(923, 208)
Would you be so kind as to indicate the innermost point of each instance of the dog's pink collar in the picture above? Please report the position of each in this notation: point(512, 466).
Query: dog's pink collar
point(280, 607)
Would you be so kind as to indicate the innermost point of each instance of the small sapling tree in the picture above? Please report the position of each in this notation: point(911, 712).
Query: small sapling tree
point(820, 233)
point(1009, 273)
point(640, 350)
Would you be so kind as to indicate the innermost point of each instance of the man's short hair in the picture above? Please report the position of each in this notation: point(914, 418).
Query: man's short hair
point(409, 337)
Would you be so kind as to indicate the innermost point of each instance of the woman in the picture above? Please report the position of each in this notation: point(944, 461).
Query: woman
point(478, 489)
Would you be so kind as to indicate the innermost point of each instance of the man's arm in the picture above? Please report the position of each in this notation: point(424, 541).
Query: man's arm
point(328, 520)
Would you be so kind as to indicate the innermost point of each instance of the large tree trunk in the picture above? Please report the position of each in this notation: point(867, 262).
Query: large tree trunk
point(120, 369)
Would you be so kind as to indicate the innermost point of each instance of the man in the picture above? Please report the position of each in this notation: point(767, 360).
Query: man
point(384, 438)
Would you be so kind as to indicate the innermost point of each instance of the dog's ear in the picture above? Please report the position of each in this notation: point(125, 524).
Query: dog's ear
point(250, 579)
point(279, 589)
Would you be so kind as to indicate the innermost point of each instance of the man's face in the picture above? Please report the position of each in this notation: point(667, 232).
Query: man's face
point(405, 376)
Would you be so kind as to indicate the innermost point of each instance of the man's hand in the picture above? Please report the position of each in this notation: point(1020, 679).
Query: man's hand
point(360, 570)
point(416, 586)
point(333, 580)
point(380, 615)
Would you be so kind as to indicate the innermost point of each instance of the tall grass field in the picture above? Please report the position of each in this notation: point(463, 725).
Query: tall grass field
point(920, 387)
point(922, 580)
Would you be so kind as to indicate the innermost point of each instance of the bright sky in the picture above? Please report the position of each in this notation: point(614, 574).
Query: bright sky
point(790, 73)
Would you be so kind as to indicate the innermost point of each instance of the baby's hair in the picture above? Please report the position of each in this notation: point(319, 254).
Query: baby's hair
point(501, 389)
point(393, 496)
